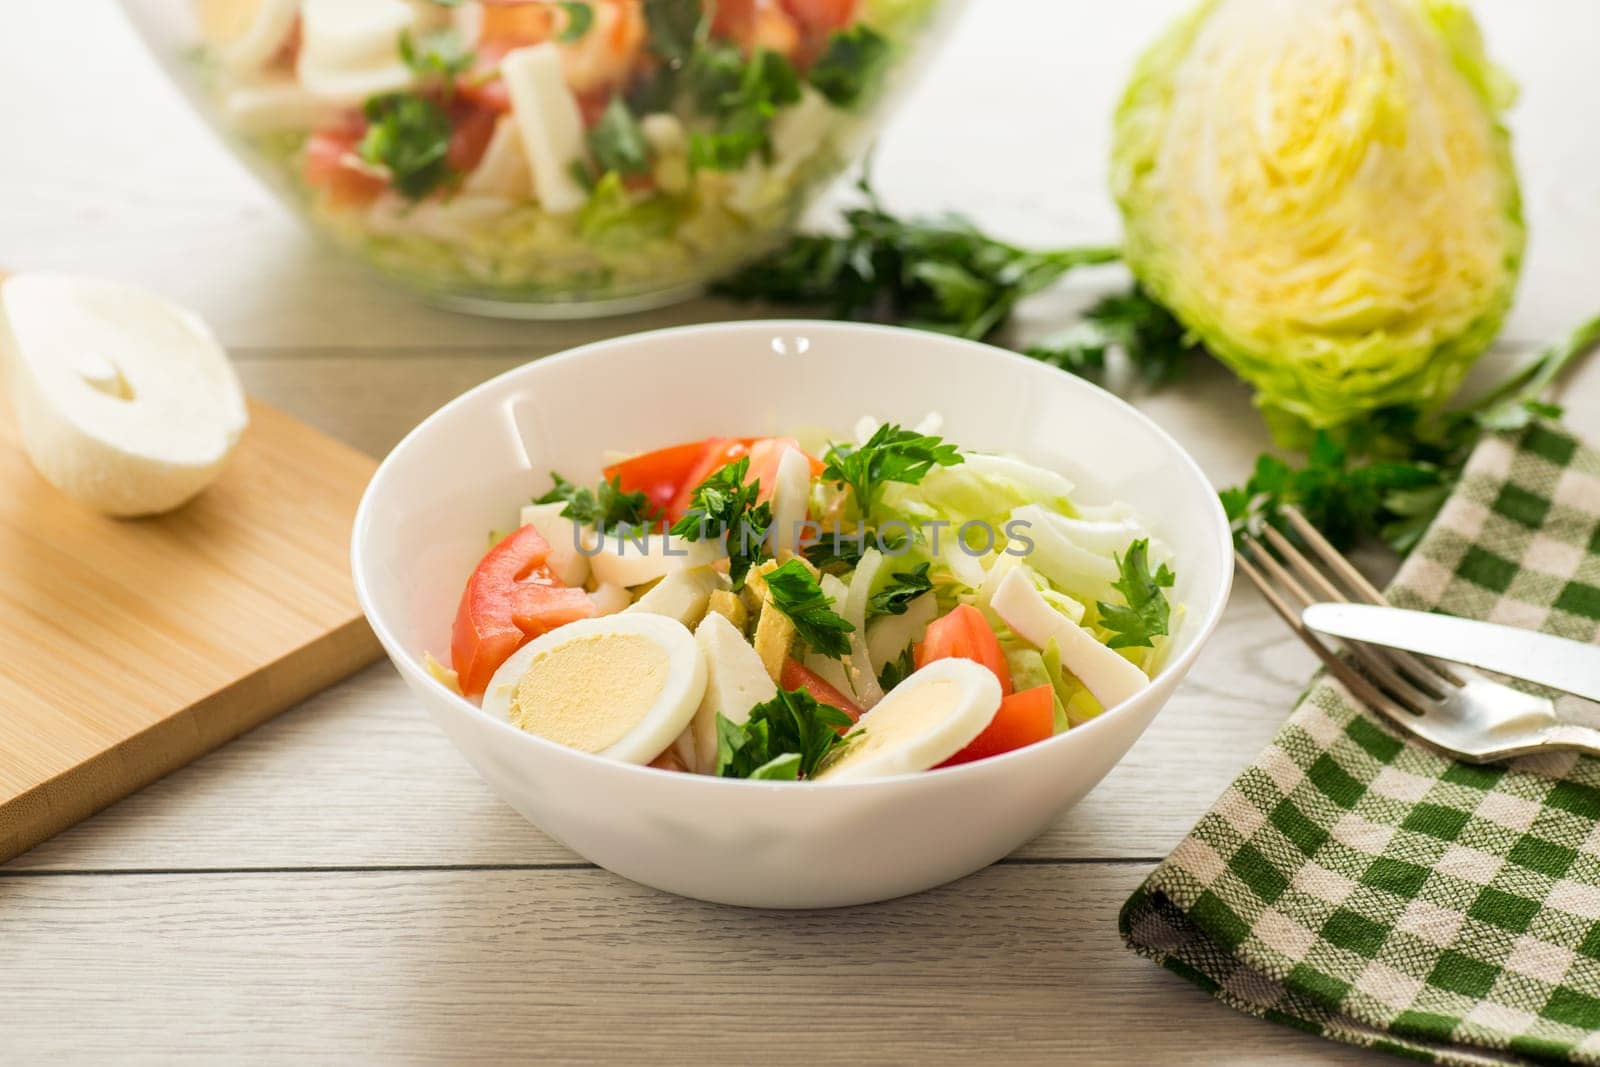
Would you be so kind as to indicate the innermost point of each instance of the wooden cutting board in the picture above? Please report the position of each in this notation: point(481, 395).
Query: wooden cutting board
point(130, 647)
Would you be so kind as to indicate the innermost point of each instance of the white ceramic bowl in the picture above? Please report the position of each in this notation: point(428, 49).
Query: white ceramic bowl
point(467, 468)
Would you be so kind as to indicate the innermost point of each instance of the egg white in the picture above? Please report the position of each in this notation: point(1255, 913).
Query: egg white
point(907, 732)
point(668, 714)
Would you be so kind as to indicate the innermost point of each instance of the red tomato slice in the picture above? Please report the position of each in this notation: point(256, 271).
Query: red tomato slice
point(516, 24)
point(965, 634)
point(510, 597)
point(538, 606)
point(330, 166)
point(765, 455)
point(669, 476)
point(472, 126)
point(797, 676)
point(734, 19)
point(1022, 719)
point(715, 453)
point(659, 475)
point(821, 16)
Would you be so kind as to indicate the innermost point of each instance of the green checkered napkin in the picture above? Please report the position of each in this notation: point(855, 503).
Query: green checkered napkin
point(1357, 884)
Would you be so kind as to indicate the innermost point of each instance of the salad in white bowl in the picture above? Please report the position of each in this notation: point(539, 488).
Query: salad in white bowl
point(749, 608)
point(577, 663)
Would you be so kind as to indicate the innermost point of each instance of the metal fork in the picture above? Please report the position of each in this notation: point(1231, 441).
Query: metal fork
point(1465, 712)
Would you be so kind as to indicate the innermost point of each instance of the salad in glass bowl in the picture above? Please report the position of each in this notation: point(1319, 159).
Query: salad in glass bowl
point(753, 608)
point(544, 159)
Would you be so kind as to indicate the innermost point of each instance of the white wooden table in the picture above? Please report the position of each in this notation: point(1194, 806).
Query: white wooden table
point(339, 885)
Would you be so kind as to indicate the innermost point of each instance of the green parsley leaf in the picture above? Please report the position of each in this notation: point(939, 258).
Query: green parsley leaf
point(940, 273)
point(891, 454)
point(902, 589)
point(796, 592)
point(1146, 613)
point(843, 551)
point(785, 738)
point(1155, 344)
point(724, 506)
point(852, 60)
point(743, 110)
point(713, 76)
point(675, 28)
point(607, 508)
point(408, 135)
point(617, 142)
point(897, 670)
point(580, 17)
point(436, 52)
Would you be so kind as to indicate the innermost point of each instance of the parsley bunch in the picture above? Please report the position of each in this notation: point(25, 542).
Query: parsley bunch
point(1389, 475)
point(786, 738)
point(1154, 343)
point(937, 273)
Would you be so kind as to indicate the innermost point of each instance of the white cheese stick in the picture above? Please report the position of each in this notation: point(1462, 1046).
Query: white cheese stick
point(550, 123)
point(1109, 677)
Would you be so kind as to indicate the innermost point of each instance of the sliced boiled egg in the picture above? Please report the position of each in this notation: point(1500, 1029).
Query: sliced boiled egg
point(681, 595)
point(246, 33)
point(564, 537)
point(1022, 607)
point(349, 49)
point(623, 686)
point(125, 402)
point(922, 722)
point(736, 681)
point(550, 122)
point(350, 34)
point(271, 104)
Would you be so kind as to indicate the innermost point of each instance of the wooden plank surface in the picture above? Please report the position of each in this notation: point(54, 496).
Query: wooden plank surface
point(338, 884)
point(558, 965)
point(133, 646)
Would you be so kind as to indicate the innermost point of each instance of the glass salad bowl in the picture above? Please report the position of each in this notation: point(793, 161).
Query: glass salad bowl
point(540, 159)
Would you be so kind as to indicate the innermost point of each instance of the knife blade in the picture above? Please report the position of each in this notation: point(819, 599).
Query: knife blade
point(1544, 659)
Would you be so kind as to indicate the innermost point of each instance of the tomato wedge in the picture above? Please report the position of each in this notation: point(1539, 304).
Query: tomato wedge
point(821, 16)
point(797, 676)
point(765, 455)
point(659, 475)
point(715, 453)
point(669, 476)
point(472, 125)
point(330, 165)
point(510, 597)
point(1022, 719)
point(965, 634)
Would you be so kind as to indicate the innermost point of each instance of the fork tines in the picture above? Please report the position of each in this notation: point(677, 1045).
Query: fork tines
point(1390, 681)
